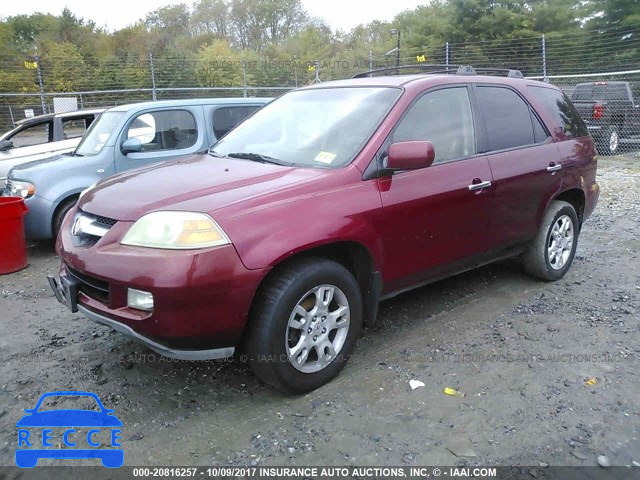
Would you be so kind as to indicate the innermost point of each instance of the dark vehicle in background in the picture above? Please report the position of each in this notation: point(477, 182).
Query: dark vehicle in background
point(331, 198)
point(43, 137)
point(611, 111)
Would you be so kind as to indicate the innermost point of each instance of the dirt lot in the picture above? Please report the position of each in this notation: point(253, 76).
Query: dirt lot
point(520, 350)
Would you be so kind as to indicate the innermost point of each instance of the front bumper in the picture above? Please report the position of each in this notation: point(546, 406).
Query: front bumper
point(201, 297)
point(155, 346)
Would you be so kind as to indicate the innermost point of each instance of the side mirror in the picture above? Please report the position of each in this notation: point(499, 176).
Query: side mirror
point(5, 145)
point(410, 155)
point(131, 145)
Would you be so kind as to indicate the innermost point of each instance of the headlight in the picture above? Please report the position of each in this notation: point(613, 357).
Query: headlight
point(86, 190)
point(21, 189)
point(175, 230)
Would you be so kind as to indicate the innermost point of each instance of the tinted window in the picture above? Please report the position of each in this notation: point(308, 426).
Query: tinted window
point(507, 118)
point(75, 127)
point(539, 131)
point(444, 118)
point(566, 118)
point(600, 91)
point(225, 118)
point(33, 135)
point(164, 130)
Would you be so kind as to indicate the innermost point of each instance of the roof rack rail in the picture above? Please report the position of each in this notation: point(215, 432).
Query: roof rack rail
point(510, 72)
point(433, 68)
point(423, 66)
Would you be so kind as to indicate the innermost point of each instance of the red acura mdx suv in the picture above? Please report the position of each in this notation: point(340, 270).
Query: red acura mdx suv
point(285, 236)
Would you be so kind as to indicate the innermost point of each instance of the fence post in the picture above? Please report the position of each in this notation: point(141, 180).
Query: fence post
point(244, 79)
point(153, 77)
point(316, 66)
point(446, 55)
point(544, 59)
point(39, 70)
point(13, 121)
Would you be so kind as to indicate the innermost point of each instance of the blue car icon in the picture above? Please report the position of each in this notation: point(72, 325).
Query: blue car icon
point(33, 421)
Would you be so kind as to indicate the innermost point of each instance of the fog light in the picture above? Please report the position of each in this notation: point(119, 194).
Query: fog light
point(139, 299)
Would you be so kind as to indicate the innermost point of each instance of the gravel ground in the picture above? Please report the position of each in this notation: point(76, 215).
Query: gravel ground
point(520, 350)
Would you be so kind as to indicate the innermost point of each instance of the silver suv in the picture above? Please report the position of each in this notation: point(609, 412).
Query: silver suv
point(43, 137)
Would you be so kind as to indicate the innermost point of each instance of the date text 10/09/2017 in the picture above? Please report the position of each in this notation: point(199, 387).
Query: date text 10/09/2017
point(322, 472)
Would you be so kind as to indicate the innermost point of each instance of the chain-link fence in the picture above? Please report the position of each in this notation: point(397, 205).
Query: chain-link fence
point(32, 86)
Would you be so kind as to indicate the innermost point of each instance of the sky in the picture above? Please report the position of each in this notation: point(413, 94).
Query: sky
point(116, 14)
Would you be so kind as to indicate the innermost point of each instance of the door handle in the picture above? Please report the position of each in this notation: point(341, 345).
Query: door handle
point(553, 167)
point(479, 186)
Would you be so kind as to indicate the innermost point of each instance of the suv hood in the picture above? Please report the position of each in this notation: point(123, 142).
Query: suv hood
point(24, 170)
point(201, 183)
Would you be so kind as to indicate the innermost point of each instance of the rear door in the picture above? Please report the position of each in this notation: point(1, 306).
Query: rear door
point(432, 218)
point(165, 134)
point(524, 163)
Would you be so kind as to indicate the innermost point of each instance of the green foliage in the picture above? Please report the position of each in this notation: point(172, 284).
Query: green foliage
point(214, 43)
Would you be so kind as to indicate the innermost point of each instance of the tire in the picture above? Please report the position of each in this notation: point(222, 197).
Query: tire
point(59, 215)
point(546, 258)
point(286, 344)
point(609, 144)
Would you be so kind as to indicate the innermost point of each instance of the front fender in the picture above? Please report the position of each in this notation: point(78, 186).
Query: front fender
point(266, 237)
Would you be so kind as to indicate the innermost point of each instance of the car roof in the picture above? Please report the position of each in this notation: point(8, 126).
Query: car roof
point(404, 80)
point(48, 116)
point(190, 102)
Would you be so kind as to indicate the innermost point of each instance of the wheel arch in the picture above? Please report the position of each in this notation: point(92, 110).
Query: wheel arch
point(576, 198)
point(58, 206)
point(352, 255)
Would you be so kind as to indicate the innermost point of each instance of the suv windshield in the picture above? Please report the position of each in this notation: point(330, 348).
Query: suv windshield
point(98, 133)
point(315, 128)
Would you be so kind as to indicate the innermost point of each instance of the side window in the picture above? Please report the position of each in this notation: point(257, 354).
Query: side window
point(74, 127)
point(444, 118)
point(566, 118)
point(539, 132)
point(506, 117)
point(164, 130)
point(33, 135)
point(226, 118)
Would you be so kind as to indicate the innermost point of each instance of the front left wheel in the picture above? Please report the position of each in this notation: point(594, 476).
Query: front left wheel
point(59, 215)
point(304, 324)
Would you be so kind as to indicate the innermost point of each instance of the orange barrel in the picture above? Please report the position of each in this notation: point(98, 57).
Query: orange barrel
point(13, 248)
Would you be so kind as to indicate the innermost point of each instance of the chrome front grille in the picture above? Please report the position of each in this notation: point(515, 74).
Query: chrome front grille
point(88, 228)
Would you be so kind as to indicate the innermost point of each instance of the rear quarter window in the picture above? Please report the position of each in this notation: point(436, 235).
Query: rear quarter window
point(566, 118)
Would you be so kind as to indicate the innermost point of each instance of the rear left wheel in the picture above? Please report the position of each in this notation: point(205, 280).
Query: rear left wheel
point(551, 253)
point(304, 325)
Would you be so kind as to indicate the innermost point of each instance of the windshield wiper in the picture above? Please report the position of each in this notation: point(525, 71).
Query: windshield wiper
point(75, 154)
point(256, 157)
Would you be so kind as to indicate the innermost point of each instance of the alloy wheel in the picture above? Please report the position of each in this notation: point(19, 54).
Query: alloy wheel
point(317, 328)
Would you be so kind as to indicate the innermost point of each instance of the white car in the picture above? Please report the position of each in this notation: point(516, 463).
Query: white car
point(42, 137)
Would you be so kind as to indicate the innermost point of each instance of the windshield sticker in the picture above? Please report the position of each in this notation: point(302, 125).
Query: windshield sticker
point(325, 157)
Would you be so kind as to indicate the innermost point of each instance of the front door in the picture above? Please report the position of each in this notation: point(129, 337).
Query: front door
point(164, 134)
point(437, 217)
